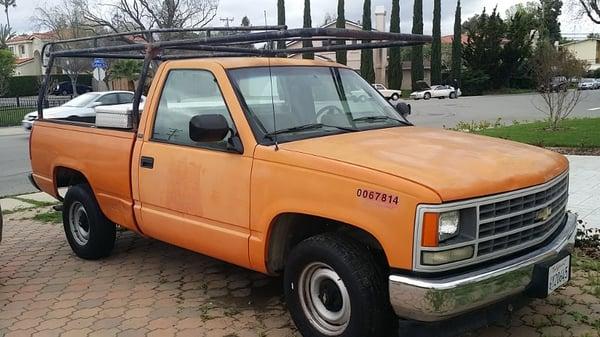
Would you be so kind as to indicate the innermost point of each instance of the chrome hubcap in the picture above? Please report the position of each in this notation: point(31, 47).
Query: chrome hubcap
point(79, 224)
point(324, 299)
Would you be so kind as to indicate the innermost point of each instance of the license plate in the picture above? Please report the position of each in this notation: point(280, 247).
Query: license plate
point(558, 274)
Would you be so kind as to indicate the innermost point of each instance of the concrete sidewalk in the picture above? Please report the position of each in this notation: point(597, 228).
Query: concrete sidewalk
point(584, 189)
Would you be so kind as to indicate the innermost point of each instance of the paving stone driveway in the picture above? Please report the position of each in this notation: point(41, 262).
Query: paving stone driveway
point(150, 288)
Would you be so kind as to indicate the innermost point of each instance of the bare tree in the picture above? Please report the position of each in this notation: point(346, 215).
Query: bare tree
point(592, 9)
point(66, 21)
point(6, 34)
point(129, 15)
point(552, 68)
point(7, 4)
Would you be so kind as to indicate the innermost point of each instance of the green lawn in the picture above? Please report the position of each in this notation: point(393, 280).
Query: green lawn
point(581, 132)
point(13, 116)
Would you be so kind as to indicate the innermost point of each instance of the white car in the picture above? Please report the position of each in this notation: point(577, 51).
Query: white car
point(81, 108)
point(587, 84)
point(437, 91)
point(388, 93)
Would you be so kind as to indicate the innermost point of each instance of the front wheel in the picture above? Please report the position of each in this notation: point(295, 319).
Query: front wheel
point(335, 287)
point(452, 95)
point(89, 233)
point(427, 96)
point(395, 97)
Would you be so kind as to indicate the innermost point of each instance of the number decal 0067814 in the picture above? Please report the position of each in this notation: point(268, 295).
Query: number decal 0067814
point(377, 196)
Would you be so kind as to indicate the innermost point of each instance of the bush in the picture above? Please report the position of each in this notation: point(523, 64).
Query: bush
point(21, 86)
point(475, 82)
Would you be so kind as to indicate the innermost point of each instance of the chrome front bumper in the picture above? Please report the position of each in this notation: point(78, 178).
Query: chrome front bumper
point(424, 299)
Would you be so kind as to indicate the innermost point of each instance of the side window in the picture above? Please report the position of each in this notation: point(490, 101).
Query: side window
point(110, 99)
point(188, 93)
point(125, 98)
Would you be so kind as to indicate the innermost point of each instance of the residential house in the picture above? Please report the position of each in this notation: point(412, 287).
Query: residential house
point(380, 56)
point(587, 50)
point(27, 49)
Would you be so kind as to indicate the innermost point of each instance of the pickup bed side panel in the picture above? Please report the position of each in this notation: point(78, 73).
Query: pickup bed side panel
point(103, 156)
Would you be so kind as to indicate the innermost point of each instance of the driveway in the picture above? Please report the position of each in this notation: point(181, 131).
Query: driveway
point(149, 288)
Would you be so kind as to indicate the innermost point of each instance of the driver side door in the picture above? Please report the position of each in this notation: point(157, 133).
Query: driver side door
point(193, 195)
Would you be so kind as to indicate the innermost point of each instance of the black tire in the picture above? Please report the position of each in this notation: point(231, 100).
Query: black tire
point(452, 95)
point(427, 96)
point(395, 97)
point(364, 279)
point(81, 209)
point(64, 93)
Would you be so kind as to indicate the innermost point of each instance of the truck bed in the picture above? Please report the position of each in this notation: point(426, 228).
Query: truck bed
point(102, 156)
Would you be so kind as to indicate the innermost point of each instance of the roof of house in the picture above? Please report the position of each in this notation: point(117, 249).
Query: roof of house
point(580, 41)
point(449, 38)
point(24, 60)
point(46, 36)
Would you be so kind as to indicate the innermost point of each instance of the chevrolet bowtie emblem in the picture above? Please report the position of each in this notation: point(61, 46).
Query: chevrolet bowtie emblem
point(543, 214)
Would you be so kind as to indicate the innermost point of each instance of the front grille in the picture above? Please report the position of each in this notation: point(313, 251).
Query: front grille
point(509, 224)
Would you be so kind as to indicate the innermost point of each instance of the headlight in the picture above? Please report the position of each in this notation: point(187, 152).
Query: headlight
point(448, 225)
point(447, 256)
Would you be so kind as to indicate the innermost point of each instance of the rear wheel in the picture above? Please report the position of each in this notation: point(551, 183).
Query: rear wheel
point(335, 287)
point(89, 233)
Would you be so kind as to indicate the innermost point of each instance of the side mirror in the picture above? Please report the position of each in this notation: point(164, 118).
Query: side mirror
point(404, 109)
point(208, 128)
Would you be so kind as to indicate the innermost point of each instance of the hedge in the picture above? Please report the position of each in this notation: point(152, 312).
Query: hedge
point(21, 86)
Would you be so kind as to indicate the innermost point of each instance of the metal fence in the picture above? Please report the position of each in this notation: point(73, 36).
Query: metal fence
point(13, 109)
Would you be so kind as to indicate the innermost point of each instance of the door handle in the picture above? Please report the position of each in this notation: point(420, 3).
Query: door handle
point(147, 162)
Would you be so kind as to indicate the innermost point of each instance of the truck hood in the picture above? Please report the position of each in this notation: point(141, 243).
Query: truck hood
point(455, 165)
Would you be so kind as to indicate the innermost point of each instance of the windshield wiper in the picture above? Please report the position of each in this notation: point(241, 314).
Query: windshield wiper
point(306, 127)
point(376, 119)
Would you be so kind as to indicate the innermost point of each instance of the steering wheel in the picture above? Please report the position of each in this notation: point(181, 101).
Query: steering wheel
point(328, 110)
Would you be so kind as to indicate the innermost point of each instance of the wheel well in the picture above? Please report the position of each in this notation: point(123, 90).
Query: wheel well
point(290, 229)
point(65, 177)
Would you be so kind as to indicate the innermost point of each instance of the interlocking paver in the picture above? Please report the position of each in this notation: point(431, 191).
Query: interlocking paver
point(149, 288)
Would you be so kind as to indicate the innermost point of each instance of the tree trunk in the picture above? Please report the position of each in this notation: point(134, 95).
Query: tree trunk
point(341, 56)
point(457, 47)
point(307, 24)
point(73, 78)
point(436, 46)
point(417, 71)
point(366, 55)
point(395, 64)
point(281, 21)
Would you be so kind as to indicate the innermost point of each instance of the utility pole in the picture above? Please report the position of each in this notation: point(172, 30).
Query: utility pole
point(227, 20)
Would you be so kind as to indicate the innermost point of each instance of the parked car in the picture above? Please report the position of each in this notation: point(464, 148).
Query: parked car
point(557, 83)
point(586, 84)
point(388, 93)
point(66, 89)
point(597, 83)
point(364, 214)
point(436, 91)
point(81, 108)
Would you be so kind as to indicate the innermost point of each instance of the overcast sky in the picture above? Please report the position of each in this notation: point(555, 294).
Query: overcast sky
point(254, 9)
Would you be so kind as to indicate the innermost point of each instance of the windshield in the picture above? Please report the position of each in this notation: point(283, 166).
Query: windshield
point(310, 102)
point(82, 100)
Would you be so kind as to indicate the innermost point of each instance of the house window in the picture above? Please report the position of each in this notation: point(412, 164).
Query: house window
point(21, 50)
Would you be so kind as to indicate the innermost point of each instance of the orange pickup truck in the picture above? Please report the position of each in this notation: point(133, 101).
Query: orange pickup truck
point(273, 165)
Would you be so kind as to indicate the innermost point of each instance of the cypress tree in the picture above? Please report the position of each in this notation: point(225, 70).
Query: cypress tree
point(366, 55)
point(417, 70)
point(307, 24)
point(457, 46)
point(281, 20)
point(395, 63)
point(341, 56)
point(436, 46)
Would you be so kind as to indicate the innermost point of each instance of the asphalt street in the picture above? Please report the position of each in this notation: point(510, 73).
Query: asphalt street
point(440, 113)
point(14, 162)
point(14, 153)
